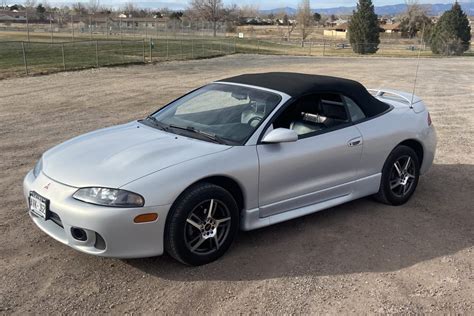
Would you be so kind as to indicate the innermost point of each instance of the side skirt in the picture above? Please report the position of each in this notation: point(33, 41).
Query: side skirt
point(363, 187)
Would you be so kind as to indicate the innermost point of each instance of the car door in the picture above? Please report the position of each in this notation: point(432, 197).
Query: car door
point(318, 167)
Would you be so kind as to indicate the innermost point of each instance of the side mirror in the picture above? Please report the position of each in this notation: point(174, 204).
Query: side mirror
point(280, 135)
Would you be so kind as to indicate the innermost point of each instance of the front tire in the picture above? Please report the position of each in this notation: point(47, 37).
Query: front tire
point(201, 225)
point(400, 176)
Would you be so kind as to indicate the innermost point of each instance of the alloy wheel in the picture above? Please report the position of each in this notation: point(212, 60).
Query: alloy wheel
point(207, 227)
point(402, 176)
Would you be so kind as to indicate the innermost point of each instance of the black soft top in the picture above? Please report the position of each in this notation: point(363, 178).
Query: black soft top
point(297, 85)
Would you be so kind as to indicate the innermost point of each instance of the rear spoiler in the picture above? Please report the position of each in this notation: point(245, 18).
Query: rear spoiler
point(396, 95)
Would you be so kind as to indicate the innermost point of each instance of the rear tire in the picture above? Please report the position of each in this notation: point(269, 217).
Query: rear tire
point(400, 175)
point(195, 237)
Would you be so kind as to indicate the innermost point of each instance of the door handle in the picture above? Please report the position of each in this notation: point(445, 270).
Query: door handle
point(355, 142)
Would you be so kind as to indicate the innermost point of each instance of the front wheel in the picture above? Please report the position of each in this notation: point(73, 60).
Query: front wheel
point(202, 224)
point(400, 176)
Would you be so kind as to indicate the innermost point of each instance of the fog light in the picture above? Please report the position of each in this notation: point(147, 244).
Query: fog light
point(145, 218)
point(78, 234)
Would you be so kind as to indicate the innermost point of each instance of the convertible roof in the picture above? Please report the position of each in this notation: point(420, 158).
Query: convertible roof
point(297, 85)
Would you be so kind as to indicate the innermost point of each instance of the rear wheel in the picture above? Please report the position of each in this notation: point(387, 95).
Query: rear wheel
point(400, 176)
point(201, 225)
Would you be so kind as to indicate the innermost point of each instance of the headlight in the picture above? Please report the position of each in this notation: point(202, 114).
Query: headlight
point(109, 197)
point(38, 168)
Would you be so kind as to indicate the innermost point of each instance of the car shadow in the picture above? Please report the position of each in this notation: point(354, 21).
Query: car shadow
point(360, 236)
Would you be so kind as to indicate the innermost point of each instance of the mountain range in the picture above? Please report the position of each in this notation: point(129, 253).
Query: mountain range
point(433, 9)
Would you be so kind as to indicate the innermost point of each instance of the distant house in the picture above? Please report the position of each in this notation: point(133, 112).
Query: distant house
point(338, 31)
point(337, 23)
point(139, 23)
point(12, 16)
point(391, 28)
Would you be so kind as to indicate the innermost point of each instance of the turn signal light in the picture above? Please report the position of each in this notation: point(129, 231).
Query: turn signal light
point(145, 218)
point(429, 119)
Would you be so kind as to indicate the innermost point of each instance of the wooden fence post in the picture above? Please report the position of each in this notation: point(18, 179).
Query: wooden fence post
point(64, 59)
point(151, 50)
point(25, 59)
point(97, 54)
point(121, 49)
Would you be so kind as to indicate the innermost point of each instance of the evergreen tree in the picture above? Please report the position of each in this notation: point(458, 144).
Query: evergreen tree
point(41, 12)
point(452, 33)
point(364, 29)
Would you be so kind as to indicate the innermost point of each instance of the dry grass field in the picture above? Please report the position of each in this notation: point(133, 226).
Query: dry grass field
point(356, 258)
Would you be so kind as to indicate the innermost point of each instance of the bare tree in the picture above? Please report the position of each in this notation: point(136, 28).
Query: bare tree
point(79, 9)
point(248, 10)
point(94, 6)
point(30, 4)
point(415, 19)
point(210, 10)
point(305, 20)
point(130, 9)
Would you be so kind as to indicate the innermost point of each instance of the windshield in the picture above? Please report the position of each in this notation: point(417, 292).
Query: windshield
point(218, 112)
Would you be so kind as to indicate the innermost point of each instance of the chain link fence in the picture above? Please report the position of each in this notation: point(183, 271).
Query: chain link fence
point(19, 58)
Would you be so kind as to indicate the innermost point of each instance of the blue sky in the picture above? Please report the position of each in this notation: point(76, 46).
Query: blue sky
point(262, 4)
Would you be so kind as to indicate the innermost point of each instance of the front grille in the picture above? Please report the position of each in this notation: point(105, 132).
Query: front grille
point(55, 218)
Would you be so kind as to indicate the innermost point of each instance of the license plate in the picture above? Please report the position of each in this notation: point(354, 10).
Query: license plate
point(39, 205)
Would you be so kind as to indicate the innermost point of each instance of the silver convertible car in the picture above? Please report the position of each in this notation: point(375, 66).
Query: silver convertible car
point(238, 154)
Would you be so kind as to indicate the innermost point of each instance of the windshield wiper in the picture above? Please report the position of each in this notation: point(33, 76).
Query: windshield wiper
point(191, 129)
point(157, 123)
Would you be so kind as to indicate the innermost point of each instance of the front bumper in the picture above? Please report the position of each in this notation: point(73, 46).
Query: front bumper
point(111, 232)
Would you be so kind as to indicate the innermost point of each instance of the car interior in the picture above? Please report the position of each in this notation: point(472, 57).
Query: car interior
point(236, 120)
point(313, 113)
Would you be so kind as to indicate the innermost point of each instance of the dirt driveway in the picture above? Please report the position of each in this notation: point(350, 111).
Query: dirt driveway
point(358, 257)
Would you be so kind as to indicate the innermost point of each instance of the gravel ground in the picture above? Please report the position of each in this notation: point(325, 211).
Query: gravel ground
point(359, 257)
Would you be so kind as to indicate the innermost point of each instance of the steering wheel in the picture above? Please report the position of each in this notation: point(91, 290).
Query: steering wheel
point(253, 122)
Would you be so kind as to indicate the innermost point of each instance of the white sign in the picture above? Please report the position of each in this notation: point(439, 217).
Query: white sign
point(241, 35)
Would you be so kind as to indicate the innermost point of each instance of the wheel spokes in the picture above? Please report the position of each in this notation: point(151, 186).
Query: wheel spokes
point(398, 168)
point(395, 183)
point(403, 176)
point(193, 223)
point(405, 189)
point(199, 243)
point(216, 241)
point(223, 220)
point(407, 164)
point(212, 207)
point(213, 225)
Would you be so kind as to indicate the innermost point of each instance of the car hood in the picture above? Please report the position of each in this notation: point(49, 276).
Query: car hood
point(115, 156)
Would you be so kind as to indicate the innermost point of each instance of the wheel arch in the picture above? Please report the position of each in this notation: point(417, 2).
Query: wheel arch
point(416, 146)
point(227, 183)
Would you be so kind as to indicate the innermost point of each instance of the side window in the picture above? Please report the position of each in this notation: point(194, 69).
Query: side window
point(354, 110)
point(313, 113)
